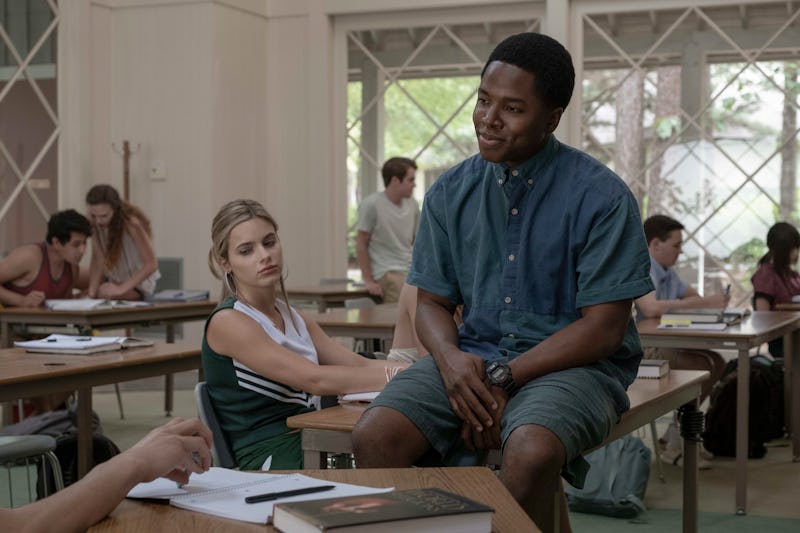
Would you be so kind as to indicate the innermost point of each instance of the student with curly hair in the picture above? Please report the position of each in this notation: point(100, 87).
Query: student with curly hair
point(124, 264)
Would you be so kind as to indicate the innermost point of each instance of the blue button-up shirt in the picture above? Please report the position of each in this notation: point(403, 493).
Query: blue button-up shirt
point(667, 283)
point(525, 248)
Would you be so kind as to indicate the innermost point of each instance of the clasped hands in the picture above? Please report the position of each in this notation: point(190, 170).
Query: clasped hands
point(474, 400)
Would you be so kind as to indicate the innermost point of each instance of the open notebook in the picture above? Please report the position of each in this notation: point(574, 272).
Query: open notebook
point(87, 304)
point(221, 492)
point(177, 295)
point(81, 345)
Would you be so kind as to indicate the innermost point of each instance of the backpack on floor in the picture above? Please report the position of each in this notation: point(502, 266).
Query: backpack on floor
point(766, 409)
point(62, 426)
point(616, 482)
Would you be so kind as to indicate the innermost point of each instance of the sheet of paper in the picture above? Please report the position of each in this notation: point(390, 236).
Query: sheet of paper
point(359, 397)
point(214, 478)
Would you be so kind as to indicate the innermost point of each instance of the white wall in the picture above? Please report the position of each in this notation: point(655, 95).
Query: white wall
point(237, 98)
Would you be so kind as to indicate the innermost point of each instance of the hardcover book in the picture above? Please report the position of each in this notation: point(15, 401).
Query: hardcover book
point(653, 369)
point(415, 510)
point(687, 316)
point(683, 317)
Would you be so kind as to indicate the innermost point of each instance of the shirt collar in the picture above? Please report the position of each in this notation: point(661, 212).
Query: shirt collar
point(528, 170)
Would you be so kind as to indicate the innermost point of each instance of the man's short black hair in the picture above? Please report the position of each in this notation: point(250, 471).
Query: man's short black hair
point(396, 166)
point(64, 223)
point(659, 227)
point(545, 58)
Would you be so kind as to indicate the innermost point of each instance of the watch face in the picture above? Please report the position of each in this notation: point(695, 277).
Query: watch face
point(497, 373)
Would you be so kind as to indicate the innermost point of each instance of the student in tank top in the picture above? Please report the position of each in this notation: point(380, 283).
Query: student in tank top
point(124, 264)
point(35, 272)
point(264, 361)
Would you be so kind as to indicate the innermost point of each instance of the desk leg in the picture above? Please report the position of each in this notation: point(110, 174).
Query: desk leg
point(788, 358)
point(84, 431)
point(691, 421)
point(169, 379)
point(5, 335)
point(314, 460)
point(742, 429)
point(793, 364)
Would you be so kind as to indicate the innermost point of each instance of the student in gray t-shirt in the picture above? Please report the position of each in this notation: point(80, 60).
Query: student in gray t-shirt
point(387, 224)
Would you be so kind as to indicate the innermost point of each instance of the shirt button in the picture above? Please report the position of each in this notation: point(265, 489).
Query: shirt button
point(515, 172)
point(530, 182)
point(511, 257)
point(508, 299)
point(514, 211)
point(500, 181)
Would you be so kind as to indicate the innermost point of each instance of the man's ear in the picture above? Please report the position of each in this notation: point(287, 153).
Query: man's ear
point(554, 119)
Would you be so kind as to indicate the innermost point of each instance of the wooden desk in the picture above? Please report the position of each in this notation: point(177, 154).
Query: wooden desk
point(370, 323)
point(758, 328)
point(121, 317)
point(31, 374)
point(328, 430)
point(329, 295)
point(478, 483)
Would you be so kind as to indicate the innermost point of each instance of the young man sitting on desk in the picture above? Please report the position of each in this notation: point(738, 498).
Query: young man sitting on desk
point(33, 273)
point(543, 246)
point(173, 451)
point(664, 242)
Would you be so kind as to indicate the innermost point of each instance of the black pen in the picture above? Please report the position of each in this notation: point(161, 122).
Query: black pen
point(269, 496)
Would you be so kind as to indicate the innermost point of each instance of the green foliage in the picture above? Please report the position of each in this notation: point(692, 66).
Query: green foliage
point(352, 219)
point(408, 128)
point(749, 253)
point(667, 126)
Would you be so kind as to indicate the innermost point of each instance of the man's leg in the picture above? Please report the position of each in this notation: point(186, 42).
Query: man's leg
point(385, 438)
point(391, 283)
point(532, 460)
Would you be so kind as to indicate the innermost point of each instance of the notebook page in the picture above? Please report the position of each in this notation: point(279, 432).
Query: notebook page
point(228, 502)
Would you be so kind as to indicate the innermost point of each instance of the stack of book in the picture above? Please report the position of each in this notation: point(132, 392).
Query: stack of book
point(653, 369)
point(703, 318)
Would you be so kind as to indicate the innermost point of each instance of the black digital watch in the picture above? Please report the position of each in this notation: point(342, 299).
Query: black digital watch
point(498, 373)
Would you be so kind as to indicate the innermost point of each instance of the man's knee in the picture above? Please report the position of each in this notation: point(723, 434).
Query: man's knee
point(534, 450)
point(385, 437)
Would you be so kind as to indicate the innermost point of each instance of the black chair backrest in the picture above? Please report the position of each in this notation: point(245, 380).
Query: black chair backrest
point(223, 455)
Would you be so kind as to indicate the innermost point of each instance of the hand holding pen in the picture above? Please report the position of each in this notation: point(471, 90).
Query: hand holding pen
point(174, 450)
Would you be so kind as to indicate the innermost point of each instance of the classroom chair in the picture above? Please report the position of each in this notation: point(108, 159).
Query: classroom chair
point(221, 451)
point(25, 450)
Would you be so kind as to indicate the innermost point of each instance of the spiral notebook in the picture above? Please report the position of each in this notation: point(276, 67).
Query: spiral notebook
point(221, 492)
